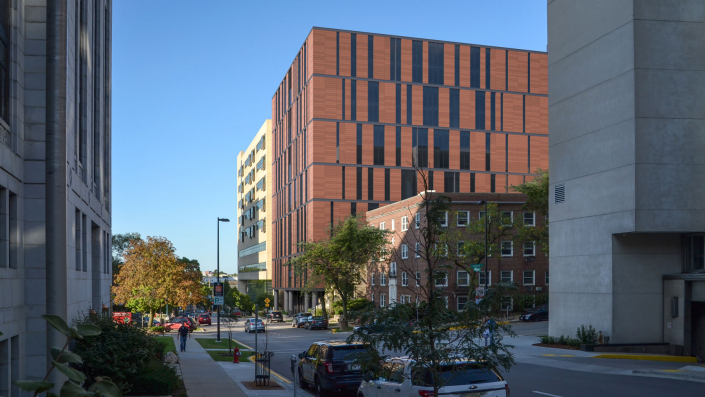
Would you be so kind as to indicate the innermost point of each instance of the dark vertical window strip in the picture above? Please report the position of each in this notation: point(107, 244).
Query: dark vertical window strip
point(487, 68)
point(454, 108)
point(378, 145)
point(475, 67)
point(441, 149)
point(430, 180)
point(492, 111)
point(528, 72)
point(398, 104)
point(506, 70)
point(409, 101)
point(373, 101)
point(359, 143)
point(492, 183)
point(479, 110)
point(417, 61)
point(528, 157)
point(343, 99)
point(487, 151)
point(331, 214)
point(457, 182)
point(523, 113)
point(435, 63)
point(464, 150)
point(343, 179)
point(430, 106)
point(398, 144)
point(359, 183)
point(501, 111)
point(337, 142)
point(457, 66)
point(337, 53)
point(353, 208)
point(398, 61)
point(353, 99)
point(370, 56)
point(387, 184)
point(353, 55)
point(370, 183)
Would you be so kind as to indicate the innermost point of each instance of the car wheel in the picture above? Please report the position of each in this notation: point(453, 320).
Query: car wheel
point(319, 389)
point(302, 382)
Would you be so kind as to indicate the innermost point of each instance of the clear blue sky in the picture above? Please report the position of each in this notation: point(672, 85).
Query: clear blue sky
point(193, 82)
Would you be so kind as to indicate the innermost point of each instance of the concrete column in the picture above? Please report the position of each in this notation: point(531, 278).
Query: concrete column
point(286, 302)
point(289, 303)
point(307, 302)
point(276, 299)
point(314, 299)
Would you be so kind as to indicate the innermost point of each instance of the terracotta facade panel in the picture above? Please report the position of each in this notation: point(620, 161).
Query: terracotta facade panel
point(483, 68)
point(367, 144)
point(361, 101)
point(406, 54)
point(498, 69)
point(467, 108)
point(425, 62)
point(381, 58)
point(454, 146)
point(539, 73)
point(477, 151)
point(344, 54)
point(387, 102)
point(513, 112)
point(406, 146)
point(417, 104)
point(539, 153)
point(518, 151)
point(390, 152)
point(497, 152)
point(449, 64)
point(378, 184)
point(361, 56)
point(323, 52)
point(518, 71)
point(443, 107)
point(482, 183)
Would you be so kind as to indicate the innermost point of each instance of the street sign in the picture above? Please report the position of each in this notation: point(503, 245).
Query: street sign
point(266, 300)
point(476, 267)
point(266, 305)
point(218, 301)
point(218, 289)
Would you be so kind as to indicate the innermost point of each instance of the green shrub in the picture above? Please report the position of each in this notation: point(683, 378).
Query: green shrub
point(158, 329)
point(572, 342)
point(156, 379)
point(120, 352)
point(587, 335)
point(549, 340)
point(561, 340)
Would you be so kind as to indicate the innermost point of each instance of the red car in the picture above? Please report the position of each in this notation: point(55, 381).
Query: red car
point(175, 324)
point(204, 319)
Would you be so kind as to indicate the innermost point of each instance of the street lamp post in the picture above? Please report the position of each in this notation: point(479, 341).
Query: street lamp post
point(217, 339)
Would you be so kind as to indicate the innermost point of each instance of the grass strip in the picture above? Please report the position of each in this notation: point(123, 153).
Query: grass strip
point(208, 343)
point(218, 355)
point(167, 343)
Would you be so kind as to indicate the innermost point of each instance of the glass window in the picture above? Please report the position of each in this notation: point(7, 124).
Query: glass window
point(507, 218)
point(392, 224)
point(462, 303)
point(379, 145)
point(506, 276)
point(463, 218)
point(382, 300)
point(435, 63)
point(419, 146)
point(417, 61)
point(372, 279)
point(417, 221)
point(483, 276)
point(404, 223)
point(528, 277)
point(430, 106)
point(418, 250)
point(441, 157)
point(404, 251)
point(359, 183)
point(479, 110)
point(546, 277)
point(397, 373)
point(441, 279)
point(359, 143)
point(475, 67)
point(398, 142)
point(383, 279)
point(418, 279)
point(353, 56)
point(454, 108)
point(507, 248)
point(460, 247)
point(382, 225)
point(529, 248)
point(404, 281)
point(444, 219)
point(408, 183)
point(370, 56)
point(529, 219)
point(463, 278)
point(372, 101)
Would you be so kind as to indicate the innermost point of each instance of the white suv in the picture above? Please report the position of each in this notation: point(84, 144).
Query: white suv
point(468, 379)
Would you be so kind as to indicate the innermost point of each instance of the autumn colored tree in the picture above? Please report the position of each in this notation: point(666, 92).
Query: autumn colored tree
point(536, 191)
point(152, 276)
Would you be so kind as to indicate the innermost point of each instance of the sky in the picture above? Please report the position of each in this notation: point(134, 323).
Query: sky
point(193, 82)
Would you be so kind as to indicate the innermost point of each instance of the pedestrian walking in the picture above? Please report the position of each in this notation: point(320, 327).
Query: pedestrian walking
point(183, 334)
point(489, 331)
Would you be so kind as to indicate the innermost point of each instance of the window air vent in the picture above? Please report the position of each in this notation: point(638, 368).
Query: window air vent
point(560, 193)
point(529, 258)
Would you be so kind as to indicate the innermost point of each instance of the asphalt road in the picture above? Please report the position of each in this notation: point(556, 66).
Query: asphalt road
point(525, 379)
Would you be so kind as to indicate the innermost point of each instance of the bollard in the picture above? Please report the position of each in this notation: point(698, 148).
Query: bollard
point(236, 355)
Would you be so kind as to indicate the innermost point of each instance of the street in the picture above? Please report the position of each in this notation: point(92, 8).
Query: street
point(559, 373)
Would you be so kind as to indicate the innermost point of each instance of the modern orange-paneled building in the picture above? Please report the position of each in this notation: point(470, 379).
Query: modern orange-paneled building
point(354, 110)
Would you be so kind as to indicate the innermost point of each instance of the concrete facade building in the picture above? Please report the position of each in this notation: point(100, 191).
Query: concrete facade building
point(353, 106)
point(254, 189)
point(55, 175)
point(627, 155)
point(401, 281)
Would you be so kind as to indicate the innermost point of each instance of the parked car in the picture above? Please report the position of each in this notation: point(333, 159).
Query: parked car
point(204, 319)
point(275, 316)
point(298, 320)
point(539, 313)
point(250, 325)
point(175, 323)
point(236, 312)
point(329, 366)
point(370, 328)
point(398, 377)
point(318, 322)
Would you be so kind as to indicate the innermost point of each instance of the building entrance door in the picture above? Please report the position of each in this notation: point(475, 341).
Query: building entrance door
point(697, 334)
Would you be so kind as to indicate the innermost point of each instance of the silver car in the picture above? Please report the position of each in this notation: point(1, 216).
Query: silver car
point(250, 325)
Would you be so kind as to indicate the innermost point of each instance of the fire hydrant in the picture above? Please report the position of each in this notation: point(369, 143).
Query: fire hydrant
point(236, 355)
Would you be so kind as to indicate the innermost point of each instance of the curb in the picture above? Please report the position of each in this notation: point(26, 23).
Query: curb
point(677, 359)
point(670, 375)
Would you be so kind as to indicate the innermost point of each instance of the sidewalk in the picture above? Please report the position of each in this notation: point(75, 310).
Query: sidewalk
point(693, 373)
point(202, 375)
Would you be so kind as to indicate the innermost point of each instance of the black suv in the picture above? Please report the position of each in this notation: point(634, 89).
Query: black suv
point(329, 366)
point(275, 316)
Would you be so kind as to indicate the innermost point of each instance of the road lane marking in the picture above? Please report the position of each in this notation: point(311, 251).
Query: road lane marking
point(251, 358)
point(546, 394)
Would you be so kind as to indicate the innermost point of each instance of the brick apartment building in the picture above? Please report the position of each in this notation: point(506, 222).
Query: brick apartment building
point(351, 109)
point(401, 279)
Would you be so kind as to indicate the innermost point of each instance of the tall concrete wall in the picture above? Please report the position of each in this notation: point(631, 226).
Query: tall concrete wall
point(626, 141)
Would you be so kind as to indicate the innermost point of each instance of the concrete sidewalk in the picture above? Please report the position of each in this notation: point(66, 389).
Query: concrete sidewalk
point(202, 375)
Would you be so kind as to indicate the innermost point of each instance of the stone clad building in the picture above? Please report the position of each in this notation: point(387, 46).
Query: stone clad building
point(55, 174)
point(353, 106)
point(518, 262)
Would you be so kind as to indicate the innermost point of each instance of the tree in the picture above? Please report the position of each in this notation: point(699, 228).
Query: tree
point(341, 259)
point(152, 276)
point(440, 335)
point(120, 243)
point(536, 191)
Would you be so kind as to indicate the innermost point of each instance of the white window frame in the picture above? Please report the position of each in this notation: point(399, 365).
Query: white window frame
point(372, 297)
point(503, 306)
point(511, 249)
point(445, 282)
point(458, 247)
point(404, 223)
point(382, 300)
point(481, 281)
point(533, 277)
point(511, 218)
point(467, 300)
point(417, 220)
point(392, 224)
point(533, 248)
point(445, 298)
point(406, 299)
point(404, 251)
point(546, 278)
point(533, 219)
point(382, 279)
point(404, 279)
point(372, 279)
point(511, 276)
point(465, 278)
point(418, 249)
point(418, 279)
point(381, 225)
point(467, 218)
point(444, 222)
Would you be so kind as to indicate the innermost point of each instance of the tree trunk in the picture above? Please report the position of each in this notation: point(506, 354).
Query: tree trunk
point(344, 322)
point(323, 305)
point(151, 317)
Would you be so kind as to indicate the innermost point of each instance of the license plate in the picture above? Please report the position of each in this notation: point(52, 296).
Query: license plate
point(478, 394)
point(353, 367)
